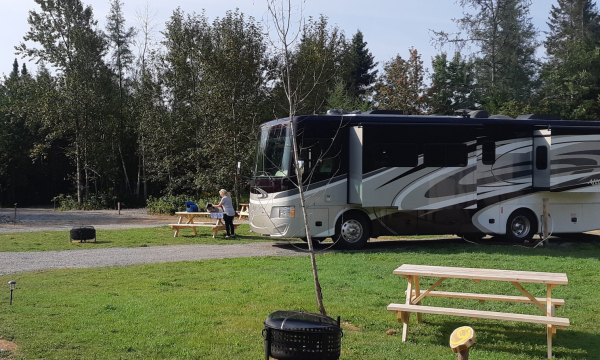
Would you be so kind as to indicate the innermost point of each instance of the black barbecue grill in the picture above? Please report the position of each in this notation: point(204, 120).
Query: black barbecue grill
point(294, 335)
point(83, 233)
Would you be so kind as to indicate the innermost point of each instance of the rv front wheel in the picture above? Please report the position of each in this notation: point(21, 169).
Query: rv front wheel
point(352, 231)
point(521, 226)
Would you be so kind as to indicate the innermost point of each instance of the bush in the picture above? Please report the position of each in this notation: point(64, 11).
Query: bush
point(169, 204)
point(98, 201)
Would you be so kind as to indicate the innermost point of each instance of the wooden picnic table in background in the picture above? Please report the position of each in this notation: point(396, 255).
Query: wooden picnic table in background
point(190, 216)
point(243, 211)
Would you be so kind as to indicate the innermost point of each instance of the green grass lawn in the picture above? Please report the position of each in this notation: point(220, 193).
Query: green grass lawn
point(215, 309)
point(141, 237)
point(60, 240)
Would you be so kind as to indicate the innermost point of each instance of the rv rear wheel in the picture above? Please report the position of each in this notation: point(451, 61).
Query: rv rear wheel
point(521, 226)
point(352, 231)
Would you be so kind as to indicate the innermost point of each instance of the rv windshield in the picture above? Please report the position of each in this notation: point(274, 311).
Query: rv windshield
point(274, 152)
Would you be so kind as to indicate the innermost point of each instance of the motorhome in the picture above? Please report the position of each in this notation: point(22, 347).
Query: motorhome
point(381, 173)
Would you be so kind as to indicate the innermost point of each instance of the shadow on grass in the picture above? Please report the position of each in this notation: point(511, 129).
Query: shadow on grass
point(529, 339)
point(92, 242)
point(574, 247)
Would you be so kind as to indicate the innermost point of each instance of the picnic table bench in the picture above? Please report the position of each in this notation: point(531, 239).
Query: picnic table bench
point(414, 296)
point(190, 224)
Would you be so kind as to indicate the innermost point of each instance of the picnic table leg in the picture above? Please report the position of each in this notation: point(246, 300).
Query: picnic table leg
point(405, 314)
point(176, 232)
point(548, 326)
point(180, 219)
point(417, 294)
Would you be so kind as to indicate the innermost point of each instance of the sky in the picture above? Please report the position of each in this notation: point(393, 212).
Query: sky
point(390, 27)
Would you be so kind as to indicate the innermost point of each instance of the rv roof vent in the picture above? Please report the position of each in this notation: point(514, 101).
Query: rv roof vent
point(387, 112)
point(337, 112)
point(500, 116)
point(479, 114)
point(538, 117)
point(476, 114)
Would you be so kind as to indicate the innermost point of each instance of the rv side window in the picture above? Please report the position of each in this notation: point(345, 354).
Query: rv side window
point(445, 155)
point(541, 157)
point(395, 155)
point(488, 156)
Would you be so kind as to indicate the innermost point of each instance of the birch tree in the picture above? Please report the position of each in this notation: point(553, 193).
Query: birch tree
point(284, 24)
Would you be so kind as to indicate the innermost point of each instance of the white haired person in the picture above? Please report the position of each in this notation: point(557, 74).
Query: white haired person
point(228, 212)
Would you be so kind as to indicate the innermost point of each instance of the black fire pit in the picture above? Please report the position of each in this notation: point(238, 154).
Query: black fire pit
point(294, 335)
point(83, 233)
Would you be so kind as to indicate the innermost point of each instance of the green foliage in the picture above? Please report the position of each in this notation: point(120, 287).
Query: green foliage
point(401, 85)
point(571, 74)
point(98, 201)
point(505, 40)
point(170, 204)
point(315, 64)
point(215, 309)
point(361, 68)
point(453, 85)
point(340, 98)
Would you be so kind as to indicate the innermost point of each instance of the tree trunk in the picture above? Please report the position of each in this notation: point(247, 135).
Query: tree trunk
point(313, 260)
point(139, 177)
point(127, 186)
point(78, 169)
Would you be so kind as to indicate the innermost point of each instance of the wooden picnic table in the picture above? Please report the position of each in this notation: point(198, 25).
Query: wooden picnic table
point(414, 295)
point(189, 217)
point(243, 210)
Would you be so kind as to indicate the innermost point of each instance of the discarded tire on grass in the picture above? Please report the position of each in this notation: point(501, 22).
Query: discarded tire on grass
point(83, 233)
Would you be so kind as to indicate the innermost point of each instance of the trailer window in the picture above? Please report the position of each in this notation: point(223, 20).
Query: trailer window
point(445, 155)
point(488, 156)
point(541, 157)
point(394, 155)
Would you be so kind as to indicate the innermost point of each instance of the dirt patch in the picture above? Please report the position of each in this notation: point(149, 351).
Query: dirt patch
point(8, 346)
point(348, 326)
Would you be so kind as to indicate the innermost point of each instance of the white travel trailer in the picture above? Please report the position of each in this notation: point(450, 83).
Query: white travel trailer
point(380, 173)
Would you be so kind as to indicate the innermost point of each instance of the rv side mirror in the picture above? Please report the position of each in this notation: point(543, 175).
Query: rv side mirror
point(300, 167)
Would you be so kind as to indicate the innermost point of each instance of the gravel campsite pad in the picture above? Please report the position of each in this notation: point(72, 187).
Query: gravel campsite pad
point(47, 219)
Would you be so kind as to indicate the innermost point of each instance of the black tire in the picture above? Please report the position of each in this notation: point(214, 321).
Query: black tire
point(521, 226)
point(352, 231)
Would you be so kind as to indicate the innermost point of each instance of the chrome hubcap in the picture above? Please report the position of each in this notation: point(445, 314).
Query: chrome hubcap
point(520, 226)
point(352, 231)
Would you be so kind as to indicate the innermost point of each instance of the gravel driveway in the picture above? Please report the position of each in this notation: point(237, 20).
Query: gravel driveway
point(15, 262)
point(46, 219)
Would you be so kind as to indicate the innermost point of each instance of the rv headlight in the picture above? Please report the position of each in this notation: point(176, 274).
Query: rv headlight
point(287, 211)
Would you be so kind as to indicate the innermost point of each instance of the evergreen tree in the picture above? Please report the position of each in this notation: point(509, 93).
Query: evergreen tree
point(362, 67)
point(504, 37)
point(572, 72)
point(453, 85)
